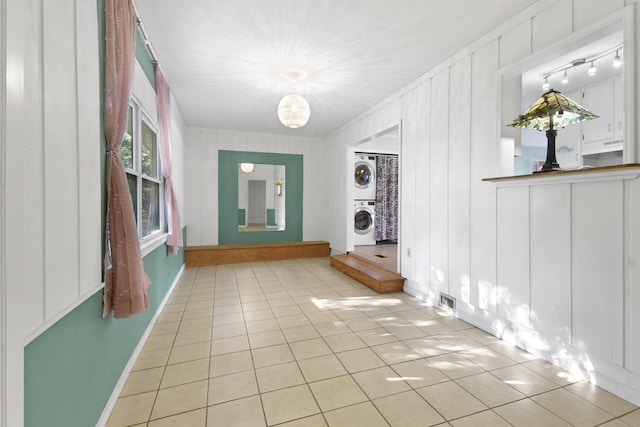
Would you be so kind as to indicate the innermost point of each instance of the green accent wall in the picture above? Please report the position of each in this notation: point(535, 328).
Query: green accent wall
point(72, 368)
point(228, 197)
point(271, 217)
point(144, 59)
point(242, 216)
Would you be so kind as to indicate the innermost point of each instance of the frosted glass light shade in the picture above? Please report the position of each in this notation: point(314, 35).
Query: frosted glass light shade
point(294, 111)
point(246, 167)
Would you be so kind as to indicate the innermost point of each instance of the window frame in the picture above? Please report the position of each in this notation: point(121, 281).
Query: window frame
point(139, 115)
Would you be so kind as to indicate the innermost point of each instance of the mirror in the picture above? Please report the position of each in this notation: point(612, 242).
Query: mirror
point(261, 197)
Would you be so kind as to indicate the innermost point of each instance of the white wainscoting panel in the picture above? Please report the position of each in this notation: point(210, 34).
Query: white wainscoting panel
point(551, 260)
point(33, 182)
point(422, 229)
point(408, 166)
point(484, 162)
point(61, 206)
point(514, 302)
point(439, 185)
point(193, 188)
point(632, 275)
point(458, 180)
point(89, 179)
point(597, 264)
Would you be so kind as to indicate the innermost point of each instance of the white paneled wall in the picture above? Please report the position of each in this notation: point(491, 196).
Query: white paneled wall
point(484, 163)
point(550, 269)
point(561, 264)
point(201, 174)
point(458, 180)
point(423, 178)
point(414, 261)
point(559, 17)
point(62, 190)
point(438, 186)
point(514, 304)
point(56, 168)
point(632, 275)
point(597, 215)
point(13, 111)
point(509, 256)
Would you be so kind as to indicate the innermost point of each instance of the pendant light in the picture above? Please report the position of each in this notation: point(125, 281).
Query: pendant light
point(294, 110)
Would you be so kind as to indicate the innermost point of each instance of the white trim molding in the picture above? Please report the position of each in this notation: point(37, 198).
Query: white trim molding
point(3, 299)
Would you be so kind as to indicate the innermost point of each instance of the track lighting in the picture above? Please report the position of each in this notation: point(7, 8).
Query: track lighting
point(592, 71)
point(617, 62)
point(546, 85)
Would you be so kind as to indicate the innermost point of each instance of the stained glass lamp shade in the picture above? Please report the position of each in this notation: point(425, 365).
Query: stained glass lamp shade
point(549, 112)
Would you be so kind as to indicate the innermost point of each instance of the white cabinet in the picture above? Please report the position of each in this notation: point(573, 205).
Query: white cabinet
point(568, 146)
point(618, 107)
point(599, 135)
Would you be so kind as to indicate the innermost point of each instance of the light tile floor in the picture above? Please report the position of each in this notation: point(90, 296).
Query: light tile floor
point(297, 343)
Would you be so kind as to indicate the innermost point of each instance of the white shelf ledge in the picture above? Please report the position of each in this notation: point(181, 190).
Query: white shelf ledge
point(604, 173)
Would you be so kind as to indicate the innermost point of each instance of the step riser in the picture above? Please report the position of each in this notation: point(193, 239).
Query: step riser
point(198, 256)
point(368, 274)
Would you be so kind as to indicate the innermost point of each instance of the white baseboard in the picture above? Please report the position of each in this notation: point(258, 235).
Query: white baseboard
point(111, 403)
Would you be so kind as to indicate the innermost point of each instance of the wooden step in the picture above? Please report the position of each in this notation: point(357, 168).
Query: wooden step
point(198, 256)
point(370, 275)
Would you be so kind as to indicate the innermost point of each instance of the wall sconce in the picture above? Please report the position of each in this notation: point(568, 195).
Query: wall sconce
point(246, 167)
point(550, 111)
point(279, 184)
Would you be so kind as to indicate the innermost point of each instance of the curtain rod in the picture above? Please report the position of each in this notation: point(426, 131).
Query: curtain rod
point(145, 39)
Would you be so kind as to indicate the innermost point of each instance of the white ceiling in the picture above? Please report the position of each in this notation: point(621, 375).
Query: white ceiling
point(225, 59)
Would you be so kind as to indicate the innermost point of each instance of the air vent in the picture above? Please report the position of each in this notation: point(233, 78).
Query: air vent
point(448, 301)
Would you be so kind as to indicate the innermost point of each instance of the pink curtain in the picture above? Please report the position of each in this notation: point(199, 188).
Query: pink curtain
point(126, 283)
point(163, 104)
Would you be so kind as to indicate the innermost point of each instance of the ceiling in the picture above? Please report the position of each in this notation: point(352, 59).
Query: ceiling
point(229, 62)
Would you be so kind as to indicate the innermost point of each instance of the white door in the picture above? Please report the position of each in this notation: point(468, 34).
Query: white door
point(257, 202)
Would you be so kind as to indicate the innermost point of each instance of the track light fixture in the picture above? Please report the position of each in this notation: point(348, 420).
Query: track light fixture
point(592, 71)
point(617, 62)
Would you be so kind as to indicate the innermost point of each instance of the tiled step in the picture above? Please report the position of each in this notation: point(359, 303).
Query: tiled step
point(370, 275)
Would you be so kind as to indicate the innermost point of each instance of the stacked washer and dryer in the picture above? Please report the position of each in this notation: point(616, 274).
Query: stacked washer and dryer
point(364, 199)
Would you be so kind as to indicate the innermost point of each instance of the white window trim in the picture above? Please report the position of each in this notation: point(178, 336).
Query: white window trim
point(157, 238)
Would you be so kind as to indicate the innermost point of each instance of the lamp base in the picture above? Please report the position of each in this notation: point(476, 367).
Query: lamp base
point(552, 169)
point(550, 164)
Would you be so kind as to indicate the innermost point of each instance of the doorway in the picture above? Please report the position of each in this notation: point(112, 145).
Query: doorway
point(257, 205)
point(380, 150)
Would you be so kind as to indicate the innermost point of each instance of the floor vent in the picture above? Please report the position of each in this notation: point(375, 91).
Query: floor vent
point(448, 301)
point(380, 256)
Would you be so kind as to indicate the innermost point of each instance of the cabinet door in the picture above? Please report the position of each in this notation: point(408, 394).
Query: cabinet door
point(599, 99)
point(619, 108)
point(568, 141)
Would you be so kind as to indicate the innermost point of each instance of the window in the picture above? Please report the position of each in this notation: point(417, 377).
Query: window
point(139, 153)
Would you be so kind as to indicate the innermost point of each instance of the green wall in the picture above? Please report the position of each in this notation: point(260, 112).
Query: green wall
point(228, 197)
point(145, 61)
point(72, 368)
